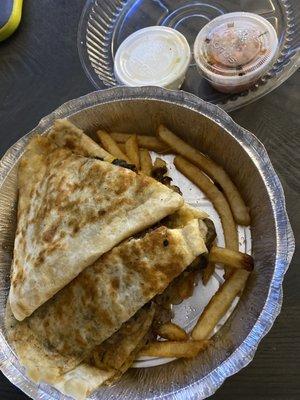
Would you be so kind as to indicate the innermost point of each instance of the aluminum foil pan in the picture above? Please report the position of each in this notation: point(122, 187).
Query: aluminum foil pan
point(210, 129)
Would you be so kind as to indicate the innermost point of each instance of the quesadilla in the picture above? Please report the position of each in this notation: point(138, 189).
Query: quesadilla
point(95, 304)
point(60, 342)
point(110, 360)
point(73, 209)
point(105, 364)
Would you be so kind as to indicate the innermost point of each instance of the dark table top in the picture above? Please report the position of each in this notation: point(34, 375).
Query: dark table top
point(40, 70)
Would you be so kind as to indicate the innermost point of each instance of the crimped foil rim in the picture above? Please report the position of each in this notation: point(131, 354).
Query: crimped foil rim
point(284, 235)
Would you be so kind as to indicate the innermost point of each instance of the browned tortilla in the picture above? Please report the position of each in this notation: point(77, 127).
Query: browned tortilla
point(65, 330)
point(116, 350)
point(93, 306)
point(79, 285)
point(71, 210)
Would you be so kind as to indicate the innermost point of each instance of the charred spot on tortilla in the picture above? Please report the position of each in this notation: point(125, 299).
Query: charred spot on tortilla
point(124, 164)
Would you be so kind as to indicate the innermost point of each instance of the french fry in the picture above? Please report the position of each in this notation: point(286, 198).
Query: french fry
point(132, 150)
point(145, 162)
point(219, 304)
point(208, 273)
point(212, 169)
point(231, 258)
point(172, 331)
point(174, 349)
point(215, 196)
point(111, 146)
point(147, 142)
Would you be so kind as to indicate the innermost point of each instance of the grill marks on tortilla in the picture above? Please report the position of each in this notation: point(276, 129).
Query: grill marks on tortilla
point(71, 210)
point(137, 264)
point(109, 292)
point(58, 200)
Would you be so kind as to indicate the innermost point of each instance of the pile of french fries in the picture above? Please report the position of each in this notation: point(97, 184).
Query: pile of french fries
point(215, 183)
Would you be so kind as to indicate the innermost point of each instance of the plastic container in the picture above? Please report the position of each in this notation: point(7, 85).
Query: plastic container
point(105, 24)
point(156, 56)
point(234, 50)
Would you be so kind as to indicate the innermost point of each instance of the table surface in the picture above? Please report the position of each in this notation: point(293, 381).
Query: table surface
point(40, 70)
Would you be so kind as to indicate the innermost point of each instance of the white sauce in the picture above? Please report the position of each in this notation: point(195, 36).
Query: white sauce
point(156, 56)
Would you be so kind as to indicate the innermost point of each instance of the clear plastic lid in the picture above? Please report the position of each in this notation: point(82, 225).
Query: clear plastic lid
point(156, 55)
point(235, 48)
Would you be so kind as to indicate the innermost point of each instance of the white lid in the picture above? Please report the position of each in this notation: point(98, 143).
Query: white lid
point(157, 56)
point(236, 47)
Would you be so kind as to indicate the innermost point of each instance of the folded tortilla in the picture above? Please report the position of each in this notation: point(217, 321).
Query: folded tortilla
point(95, 304)
point(183, 215)
point(71, 210)
point(108, 361)
point(56, 341)
point(105, 364)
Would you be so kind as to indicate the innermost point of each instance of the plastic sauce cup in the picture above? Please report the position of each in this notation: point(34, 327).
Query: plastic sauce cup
point(156, 56)
point(234, 50)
